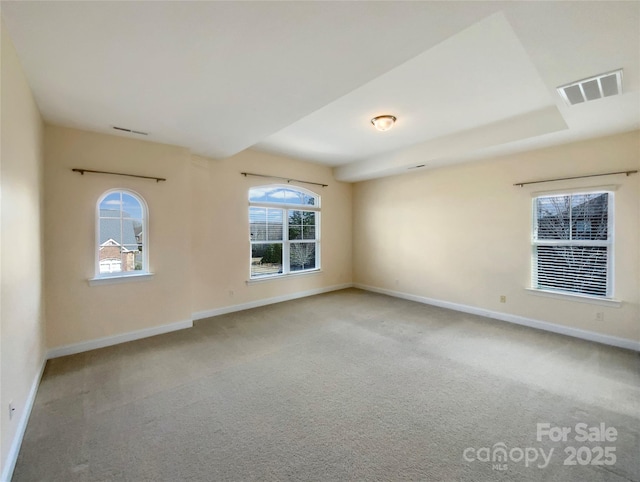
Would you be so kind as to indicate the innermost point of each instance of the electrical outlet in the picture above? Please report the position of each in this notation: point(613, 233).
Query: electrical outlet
point(599, 316)
point(503, 299)
point(12, 410)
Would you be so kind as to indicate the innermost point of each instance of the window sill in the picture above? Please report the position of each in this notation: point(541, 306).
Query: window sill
point(283, 276)
point(129, 278)
point(575, 297)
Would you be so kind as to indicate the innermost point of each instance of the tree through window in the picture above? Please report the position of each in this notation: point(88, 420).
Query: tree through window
point(572, 243)
point(284, 230)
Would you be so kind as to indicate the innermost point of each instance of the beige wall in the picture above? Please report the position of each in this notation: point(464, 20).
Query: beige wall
point(462, 234)
point(221, 233)
point(22, 314)
point(424, 234)
point(77, 312)
point(198, 240)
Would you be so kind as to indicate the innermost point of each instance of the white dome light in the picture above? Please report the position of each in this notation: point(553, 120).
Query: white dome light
point(383, 122)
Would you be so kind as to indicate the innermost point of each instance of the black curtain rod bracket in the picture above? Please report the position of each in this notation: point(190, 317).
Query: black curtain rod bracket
point(627, 173)
point(245, 174)
point(82, 171)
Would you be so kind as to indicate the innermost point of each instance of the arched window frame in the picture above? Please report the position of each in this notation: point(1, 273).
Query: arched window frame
point(286, 208)
point(144, 242)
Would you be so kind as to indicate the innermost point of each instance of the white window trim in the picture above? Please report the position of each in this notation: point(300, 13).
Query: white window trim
point(609, 243)
point(576, 190)
point(124, 276)
point(293, 274)
point(580, 298)
point(287, 273)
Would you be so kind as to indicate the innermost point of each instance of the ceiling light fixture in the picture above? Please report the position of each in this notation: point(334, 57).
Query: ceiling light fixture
point(383, 122)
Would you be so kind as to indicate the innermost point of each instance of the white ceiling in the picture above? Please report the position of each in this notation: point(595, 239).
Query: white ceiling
point(466, 80)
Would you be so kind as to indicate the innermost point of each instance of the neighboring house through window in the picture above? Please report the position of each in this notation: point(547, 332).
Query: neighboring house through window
point(121, 234)
point(572, 243)
point(284, 230)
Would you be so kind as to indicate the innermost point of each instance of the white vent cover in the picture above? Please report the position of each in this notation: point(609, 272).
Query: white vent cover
point(603, 85)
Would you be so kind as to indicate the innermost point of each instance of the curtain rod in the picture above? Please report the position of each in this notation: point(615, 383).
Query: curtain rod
point(245, 174)
point(628, 173)
point(82, 171)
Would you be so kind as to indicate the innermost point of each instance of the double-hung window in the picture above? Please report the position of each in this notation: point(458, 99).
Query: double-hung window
point(572, 243)
point(284, 231)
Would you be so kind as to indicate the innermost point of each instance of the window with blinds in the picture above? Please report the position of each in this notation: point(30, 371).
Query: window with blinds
point(572, 243)
point(284, 230)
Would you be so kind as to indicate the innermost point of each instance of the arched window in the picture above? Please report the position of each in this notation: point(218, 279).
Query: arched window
point(284, 230)
point(122, 234)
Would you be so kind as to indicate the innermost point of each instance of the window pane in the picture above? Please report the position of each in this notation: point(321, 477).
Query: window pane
point(309, 232)
point(110, 258)
point(302, 224)
point(580, 269)
point(589, 216)
point(137, 230)
point(128, 231)
point(131, 208)
point(112, 204)
point(265, 224)
point(578, 216)
point(258, 194)
point(274, 195)
point(128, 256)
point(137, 261)
point(258, 224)
point(295, 225)
point(266, 259)
point(110, 265)
point(133, 258)
point(274, 232)
point(309, 218)
point(552, 214)
point(302, 256)
point(280, 195)
point(110, 232)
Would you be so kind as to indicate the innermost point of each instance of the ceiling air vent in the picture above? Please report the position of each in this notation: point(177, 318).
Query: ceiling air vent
point(603, 85)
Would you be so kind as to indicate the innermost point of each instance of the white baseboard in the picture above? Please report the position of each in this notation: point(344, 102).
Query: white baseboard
point(14, 450)
point(116, 339)
point(518, 320)
point(267, 301)
point(159, 330)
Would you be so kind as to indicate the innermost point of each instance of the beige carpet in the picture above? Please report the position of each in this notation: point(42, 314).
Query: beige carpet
point(344, 386)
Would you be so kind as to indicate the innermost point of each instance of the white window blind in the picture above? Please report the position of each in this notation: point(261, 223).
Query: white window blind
point(572, 243)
